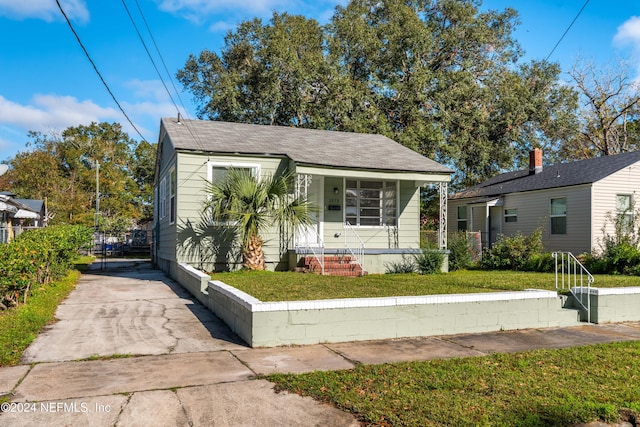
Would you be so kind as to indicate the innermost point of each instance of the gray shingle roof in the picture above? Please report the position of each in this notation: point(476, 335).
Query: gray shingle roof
point(304, 146)
point(554, 176)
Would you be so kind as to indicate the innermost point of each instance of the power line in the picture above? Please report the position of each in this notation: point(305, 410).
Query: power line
point(567, 30)
point(194, 135)
point(96, 70)
point(161, 57)
point(149, 54)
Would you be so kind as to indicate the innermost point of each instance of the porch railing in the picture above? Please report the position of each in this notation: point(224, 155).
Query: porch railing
point(316, 249)
point(572, 274)
point(354, 244)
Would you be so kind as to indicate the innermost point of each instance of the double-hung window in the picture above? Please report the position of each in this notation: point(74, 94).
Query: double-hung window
point(511, 215)
point(173, 185)
point(559, 216)
point(462, 218)
point(217, 172)
point(162, 198)
point(371, 203)
point(624, 211)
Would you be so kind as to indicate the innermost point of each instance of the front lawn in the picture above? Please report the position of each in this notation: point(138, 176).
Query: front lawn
point(537, 388)
point(290, 286)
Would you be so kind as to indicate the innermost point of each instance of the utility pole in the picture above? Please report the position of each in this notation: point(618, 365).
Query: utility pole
point(97, 196)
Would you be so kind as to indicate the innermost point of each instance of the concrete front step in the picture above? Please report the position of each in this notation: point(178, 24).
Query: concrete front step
point(569, 315)
point(346, 259)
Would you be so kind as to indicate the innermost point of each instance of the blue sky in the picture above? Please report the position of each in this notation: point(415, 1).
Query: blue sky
point(48, 84)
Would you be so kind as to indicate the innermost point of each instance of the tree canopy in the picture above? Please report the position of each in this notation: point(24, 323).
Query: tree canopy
point(61, 168)
point(440, 77)
point(609, 118)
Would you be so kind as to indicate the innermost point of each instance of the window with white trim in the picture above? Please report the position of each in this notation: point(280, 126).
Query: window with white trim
point(624, 211)
point(559, 216)
point(511, 215)
point(462, 218)
point(217, 171)
point(172, 195)
point(167, 190)
point(162, 198)
point(371, 203)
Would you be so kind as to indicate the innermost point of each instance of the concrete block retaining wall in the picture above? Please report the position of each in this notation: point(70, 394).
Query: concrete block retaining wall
point(268, 324)
point(614, 304)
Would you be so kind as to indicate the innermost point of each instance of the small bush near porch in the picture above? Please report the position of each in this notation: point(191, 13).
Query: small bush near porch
point(290, 286)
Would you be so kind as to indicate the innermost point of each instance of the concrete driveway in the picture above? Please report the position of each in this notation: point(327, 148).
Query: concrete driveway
point(132, 348)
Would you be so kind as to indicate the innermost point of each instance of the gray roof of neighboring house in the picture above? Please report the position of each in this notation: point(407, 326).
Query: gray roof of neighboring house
point(303, 146)
point(554, 176)
point(9, 203)
point(34, 205)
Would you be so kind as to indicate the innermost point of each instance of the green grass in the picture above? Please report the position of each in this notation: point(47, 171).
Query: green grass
point(290, 286)
point(537, 388)
point(19, 326)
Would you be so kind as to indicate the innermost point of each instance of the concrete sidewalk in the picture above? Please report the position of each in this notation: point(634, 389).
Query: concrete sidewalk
point(176, 364)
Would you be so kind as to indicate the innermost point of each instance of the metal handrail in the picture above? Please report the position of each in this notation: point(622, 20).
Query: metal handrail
point(577, 273)
point(354, 244)
point(319, 254)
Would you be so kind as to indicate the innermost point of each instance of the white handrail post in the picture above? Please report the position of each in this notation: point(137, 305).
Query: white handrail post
point(572, 261)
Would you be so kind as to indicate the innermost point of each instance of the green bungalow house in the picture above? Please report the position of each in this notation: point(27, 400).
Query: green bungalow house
point(366, 188)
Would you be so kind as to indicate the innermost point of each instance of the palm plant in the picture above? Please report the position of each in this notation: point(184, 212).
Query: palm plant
point(252, 205)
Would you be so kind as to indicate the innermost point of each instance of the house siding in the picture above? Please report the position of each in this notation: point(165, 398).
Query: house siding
point(165, 233)
point(625, 181)
point(405, 235)
point(533, 212)
point(409, 221)
point(191, 195)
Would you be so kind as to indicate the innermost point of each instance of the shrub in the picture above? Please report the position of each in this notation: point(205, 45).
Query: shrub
point(460, 252)
point(429, 261)
point(621, 250)
point(618, 258)
point(540, 263)
point(513, 253)
point(38, 257)
point(405, 265)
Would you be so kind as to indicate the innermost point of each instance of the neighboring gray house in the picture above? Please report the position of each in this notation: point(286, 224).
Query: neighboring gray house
point(366, 188)
point(572, 202)
point(19, 214)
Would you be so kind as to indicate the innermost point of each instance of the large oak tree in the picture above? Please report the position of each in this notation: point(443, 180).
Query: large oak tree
point(441, 77)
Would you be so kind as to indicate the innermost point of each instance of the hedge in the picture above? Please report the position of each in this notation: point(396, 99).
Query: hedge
point(37, 257)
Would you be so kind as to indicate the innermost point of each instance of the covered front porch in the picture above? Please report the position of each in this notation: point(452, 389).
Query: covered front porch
point(363, 220)
point(485, 217)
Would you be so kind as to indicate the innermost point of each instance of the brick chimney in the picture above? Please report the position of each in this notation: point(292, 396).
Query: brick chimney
point(535, 161)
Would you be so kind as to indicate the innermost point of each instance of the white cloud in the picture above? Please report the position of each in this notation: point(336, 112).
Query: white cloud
point(201, 11)
point(150, 89)
point(46, 10)
point(206, 7)
point(222, 26)
point(55, 113)
point(629, 32)
point(52, 111)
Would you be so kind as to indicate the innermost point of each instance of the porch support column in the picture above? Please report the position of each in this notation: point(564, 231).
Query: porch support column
point(442, 226)
point(303, 181)
point(487, 224)
point(302, 185)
